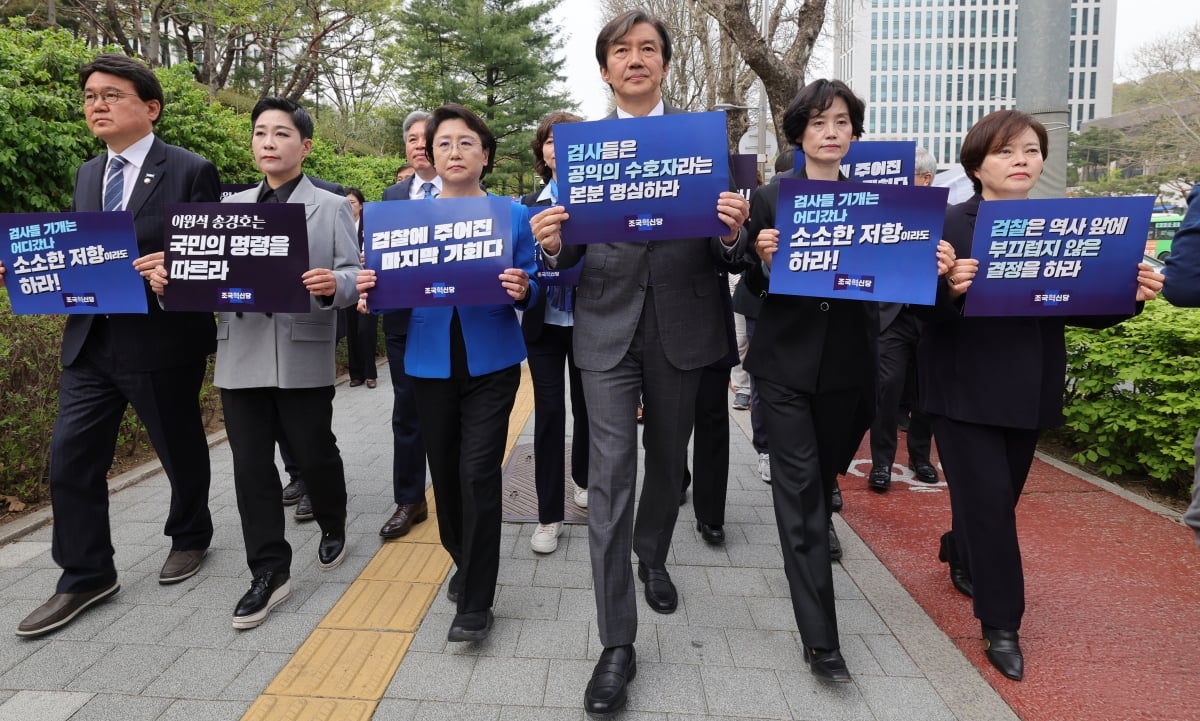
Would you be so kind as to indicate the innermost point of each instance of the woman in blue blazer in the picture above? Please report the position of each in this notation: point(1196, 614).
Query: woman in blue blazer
point(466, 366)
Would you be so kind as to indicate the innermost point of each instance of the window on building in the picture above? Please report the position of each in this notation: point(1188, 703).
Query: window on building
point(1083, 25)
point(1095, 53)
point(1074, 20)
point(1092, 92)
point(1096, 21)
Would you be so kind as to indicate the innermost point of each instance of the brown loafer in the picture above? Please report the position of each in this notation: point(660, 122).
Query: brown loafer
point(402, 521)
point(181, 565)
point(371, 383)
point(61, 609)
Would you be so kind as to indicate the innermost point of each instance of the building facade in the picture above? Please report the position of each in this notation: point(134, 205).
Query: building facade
point(929, 69)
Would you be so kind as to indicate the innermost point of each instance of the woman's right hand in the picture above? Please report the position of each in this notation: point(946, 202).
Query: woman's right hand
point(547, 228)
point(766, 244)
point(960, 276)
point(364, 282)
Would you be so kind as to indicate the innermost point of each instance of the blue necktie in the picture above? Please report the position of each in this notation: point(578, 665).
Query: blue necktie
point(114, 185)
point(429, 190)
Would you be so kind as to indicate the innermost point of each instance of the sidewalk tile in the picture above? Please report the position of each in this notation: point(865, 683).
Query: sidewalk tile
point(743, 692)
point(342, 664)
point(508, 681)
point(290, 708)
point(120, 707)
point(127, 668)
point(42, 705)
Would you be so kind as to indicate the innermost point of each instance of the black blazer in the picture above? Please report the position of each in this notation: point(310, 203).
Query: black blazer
point(399, 191)
point(395, 322)
point(994, 371)
point(157, 339)
point(809, 344)
point(534, 317)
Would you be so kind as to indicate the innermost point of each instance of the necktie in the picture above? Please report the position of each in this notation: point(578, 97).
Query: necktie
point(429, 190)
point(114, 185)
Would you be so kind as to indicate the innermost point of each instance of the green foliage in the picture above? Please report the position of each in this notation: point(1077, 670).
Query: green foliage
point(190, 120)
point(1133, 395)
point(369, 174)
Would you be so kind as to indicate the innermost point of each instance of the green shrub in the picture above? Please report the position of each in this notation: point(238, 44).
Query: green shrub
point(1133, 395)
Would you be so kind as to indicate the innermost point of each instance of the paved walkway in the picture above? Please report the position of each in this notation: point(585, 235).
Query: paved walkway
point(367, 640)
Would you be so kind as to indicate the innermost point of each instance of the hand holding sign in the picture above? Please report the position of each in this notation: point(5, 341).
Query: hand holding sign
point(733, 210)
point(960, 276)
point(1150, 282)
point(547, 228)
point(767, 244)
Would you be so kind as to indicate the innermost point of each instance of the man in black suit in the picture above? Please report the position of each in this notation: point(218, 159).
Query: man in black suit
point(408, 451)
point(648, 319)
point(155, 362)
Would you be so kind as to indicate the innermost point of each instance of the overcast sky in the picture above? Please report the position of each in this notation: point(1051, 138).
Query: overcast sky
point(1138, 22)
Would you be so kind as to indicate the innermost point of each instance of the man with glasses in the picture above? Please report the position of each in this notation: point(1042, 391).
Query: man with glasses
point(155, 361)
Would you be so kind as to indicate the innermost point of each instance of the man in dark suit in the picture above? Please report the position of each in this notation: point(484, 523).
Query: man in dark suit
point(155, 362)
point(408, 451)
point(648, 320)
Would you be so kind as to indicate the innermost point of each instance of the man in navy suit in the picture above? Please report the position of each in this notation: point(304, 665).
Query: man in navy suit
point(408, 450)
point(155, 362)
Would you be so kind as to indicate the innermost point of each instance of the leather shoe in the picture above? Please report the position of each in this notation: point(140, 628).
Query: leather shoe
point(372, 383)
point(828, 665)
point(947, 553)
point(925, 472)
point(835, 544)
point(880, 479)
point(61, 609)
point(355, 383)
point(1003, 650)
point(304, 509)
point(660, 592)
point(332, 550)
point(292, 492)
point(711, 533)
point(473, 626)
point(406, 516)
point(181, 565)
point(835, 499)
point(267, 591)
point(606, 691)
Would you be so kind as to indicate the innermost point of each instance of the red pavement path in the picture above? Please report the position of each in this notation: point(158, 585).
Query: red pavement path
point(1112, 592)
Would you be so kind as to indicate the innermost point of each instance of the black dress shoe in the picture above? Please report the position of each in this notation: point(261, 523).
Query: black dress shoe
point(606, 691)
point(332, 550)
point(947, 553)
point(473, 626)
point(61, 609)
point(1003, 650)
point(711, 533)
point(925, 472)
point(267, 591)
point(304, 509)
point(835, 545)
point(880, 479)
point(660, 592)
point(292, 492)
point(828, 665)
point(406, 516)
point(835, 500)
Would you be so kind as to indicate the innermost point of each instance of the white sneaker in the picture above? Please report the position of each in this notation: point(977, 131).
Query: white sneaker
point(545, 538)
point(764, 467)
point(581, 497)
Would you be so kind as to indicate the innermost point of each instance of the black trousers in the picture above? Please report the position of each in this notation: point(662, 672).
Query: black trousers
point(464, 422)
point(92, 397)
point(986, 468)
point(710, 448)
point(362, 336)
point(897, 358)
point(408, 450)
point(808, 434)
point(254, 419)
point(547, 356)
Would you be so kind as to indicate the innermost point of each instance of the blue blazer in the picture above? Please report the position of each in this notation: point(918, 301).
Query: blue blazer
point(491, 333)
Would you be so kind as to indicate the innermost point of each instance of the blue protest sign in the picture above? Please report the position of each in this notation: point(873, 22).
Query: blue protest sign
point(877, 161)
point(642, 179)
point(858, 241)
point(1062, 256)
point(449, 251)
point(745, 173)
point(71, 263)
point(236, 257)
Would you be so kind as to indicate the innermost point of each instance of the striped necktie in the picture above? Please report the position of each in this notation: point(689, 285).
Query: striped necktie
point(114, 185)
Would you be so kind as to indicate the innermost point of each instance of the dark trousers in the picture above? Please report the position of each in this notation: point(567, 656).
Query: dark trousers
point(758, 426)
point(464, 422)
point(547, 356)
point(986, 468)
point(710, 448)
point(92, 397)
point(361, 339)
point(897, 357)
point(254, 419)
point(810, 432)
point(408, 450)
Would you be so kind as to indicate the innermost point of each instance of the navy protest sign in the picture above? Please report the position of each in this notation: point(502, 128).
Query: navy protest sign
point(1061, 256)
point(244, 257)
point(442, 252)
point(892, 162)
point(858, 241)
point(642, 179)
point(71, 263)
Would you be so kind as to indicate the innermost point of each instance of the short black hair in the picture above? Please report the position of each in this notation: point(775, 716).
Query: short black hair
point(816, 97)
point(545, 127)
point(453, 111)
point(358, 195)
point(992, 132)
point(300, 117)
point(619, 26)
point(145, 82)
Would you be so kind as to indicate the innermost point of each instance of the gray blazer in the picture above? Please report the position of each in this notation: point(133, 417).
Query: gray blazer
point(294, 350)
point(687, 300)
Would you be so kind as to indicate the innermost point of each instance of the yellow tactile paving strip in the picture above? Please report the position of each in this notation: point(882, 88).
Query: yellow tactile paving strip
point(343, 669)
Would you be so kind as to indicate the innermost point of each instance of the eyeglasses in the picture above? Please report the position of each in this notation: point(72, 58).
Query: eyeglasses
point(464, 145)
point(110, 97)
